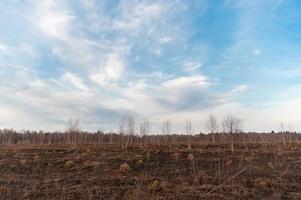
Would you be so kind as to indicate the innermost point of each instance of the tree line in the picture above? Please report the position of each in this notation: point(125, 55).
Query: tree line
point(228, 131)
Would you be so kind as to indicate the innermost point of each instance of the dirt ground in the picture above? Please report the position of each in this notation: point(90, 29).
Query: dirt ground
point(254, 171)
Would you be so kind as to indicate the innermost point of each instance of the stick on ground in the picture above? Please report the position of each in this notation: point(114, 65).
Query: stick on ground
point(232, 177)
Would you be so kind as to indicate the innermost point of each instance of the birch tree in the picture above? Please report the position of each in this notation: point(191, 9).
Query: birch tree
point(231, 125)
point(211, 126)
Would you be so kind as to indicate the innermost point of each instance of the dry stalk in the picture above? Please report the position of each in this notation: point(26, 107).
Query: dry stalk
point(229, 179)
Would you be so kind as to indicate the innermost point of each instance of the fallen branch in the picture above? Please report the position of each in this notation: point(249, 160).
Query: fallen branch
point(229, 179)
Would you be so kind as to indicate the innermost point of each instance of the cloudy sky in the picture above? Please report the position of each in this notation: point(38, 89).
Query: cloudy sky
point(97, 60)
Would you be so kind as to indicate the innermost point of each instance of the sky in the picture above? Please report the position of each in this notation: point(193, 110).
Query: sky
point(98, 60)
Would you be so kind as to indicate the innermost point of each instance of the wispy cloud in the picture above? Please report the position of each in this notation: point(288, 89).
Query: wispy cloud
point(110, 71)
point(52, 20)
point(75, 81)
point(97, 60)
point(191, 66)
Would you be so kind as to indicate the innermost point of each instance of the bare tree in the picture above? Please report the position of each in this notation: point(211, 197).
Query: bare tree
point(122, 125)
point(188, 129)
point(290, 130)
point(130, 130)
point(122, 129)
point(282, 130)
point(73, 125)
point(232, 124)
point(73, 129)
point(166, 129)
point(211, 125)
point(127, 128)
point(144, 130)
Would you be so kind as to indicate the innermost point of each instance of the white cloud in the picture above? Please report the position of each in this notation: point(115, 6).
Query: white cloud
point(43, 104)
point(192, 66)
point(110, 71)
point(100, 47)
point(164, 96)
point(238, 89)
point(24, 49)
point(88, 3)
point(75, 81)
point(113, 67)
point(185, 82)
point(166, 39)
point(52, 21)
point(3, 47)
point(183, 91)
point(138, 14)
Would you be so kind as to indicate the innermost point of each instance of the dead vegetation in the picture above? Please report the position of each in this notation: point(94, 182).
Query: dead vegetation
point(82, 165)
point(206, 171)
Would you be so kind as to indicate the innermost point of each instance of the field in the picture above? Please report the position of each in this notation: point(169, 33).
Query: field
point(253, 171)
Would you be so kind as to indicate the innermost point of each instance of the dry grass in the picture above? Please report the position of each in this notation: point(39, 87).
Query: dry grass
point(254, 171)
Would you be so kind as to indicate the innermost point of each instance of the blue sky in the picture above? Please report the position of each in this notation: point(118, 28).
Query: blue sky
point(156, 59)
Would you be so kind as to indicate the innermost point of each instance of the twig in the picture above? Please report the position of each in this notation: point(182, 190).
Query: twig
point(232, 177)
point(286, 169)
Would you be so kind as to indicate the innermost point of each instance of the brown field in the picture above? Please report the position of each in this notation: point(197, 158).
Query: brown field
point(253, 171)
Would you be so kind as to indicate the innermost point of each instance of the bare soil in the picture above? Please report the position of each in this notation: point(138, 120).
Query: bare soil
point(253, 171)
